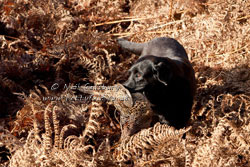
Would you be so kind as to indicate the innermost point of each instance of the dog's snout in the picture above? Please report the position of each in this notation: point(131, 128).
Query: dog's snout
point(130, 85)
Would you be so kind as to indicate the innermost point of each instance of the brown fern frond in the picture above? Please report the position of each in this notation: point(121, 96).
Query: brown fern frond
point(104, 149)
point(35, 124)
point(72, 157)
point(10, 141)
point(110, 62)
point(205, 154)
point(188, 156)
point(87, 62)
point(145, 142)
point(48, 130)
point(59, 64)
point(62, 134)
point(93, 125)
point(28, 115)
point(72, 142)
point(225, 135)
point(56, 127)
point(237, 137)
point(96, 110)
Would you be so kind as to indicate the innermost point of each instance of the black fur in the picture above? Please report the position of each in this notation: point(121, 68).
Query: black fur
point(166, 77)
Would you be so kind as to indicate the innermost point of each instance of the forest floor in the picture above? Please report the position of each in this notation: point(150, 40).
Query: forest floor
point(73, 42)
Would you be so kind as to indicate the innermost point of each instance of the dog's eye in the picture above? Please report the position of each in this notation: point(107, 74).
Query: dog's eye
point(137, 75)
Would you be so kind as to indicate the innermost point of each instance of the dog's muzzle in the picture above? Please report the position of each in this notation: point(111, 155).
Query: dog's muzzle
point(130, 86)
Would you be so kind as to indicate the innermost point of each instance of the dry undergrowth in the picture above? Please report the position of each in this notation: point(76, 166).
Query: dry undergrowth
point(73, 42)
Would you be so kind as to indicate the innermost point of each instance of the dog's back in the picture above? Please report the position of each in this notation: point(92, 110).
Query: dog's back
point(160, 47)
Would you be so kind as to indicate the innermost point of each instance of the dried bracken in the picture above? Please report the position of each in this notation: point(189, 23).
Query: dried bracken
point(226, 147)
point(48, 49)
point(145, 146)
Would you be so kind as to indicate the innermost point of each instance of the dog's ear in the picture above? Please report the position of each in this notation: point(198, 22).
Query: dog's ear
point(162, 72)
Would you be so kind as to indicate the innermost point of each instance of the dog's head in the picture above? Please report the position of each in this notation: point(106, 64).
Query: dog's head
point(148, 71)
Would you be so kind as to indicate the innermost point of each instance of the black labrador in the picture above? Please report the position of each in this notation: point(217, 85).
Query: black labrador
point(165, 76)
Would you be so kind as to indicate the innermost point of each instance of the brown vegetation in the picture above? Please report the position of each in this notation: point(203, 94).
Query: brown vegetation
point(74, 42)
